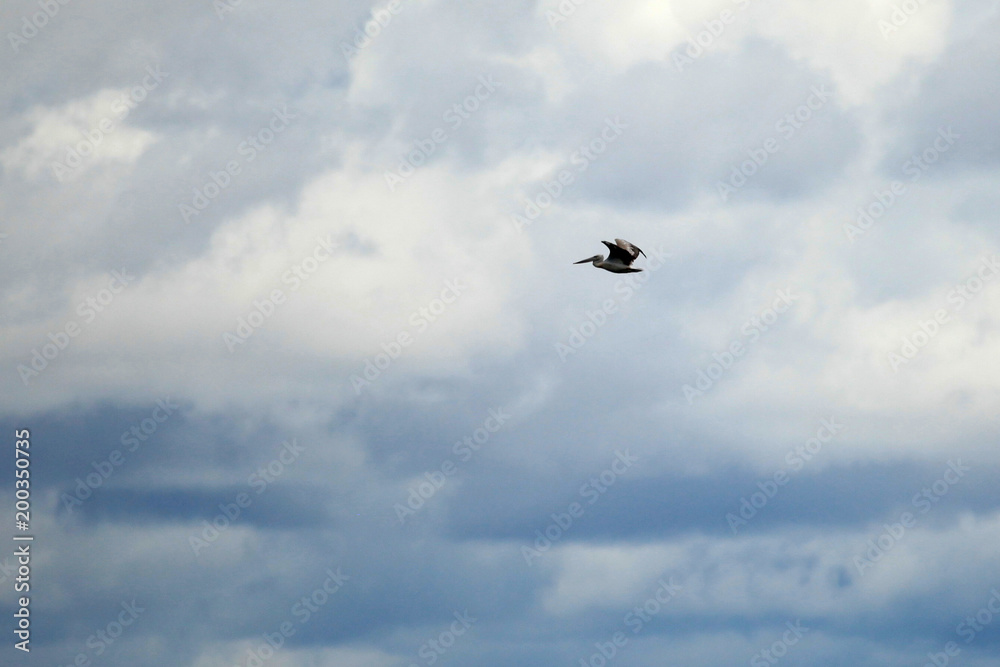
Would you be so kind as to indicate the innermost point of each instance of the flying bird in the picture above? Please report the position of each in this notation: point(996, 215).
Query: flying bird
point(621, 254)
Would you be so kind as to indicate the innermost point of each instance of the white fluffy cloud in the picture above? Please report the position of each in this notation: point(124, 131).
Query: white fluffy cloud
point(413, 300)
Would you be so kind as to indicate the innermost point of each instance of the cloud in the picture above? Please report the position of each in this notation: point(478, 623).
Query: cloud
point(367, 252)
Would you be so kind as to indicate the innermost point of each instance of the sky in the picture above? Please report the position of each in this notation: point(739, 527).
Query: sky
point(289, 310)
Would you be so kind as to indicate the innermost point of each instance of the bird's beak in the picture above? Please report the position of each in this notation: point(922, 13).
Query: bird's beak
point(584, 261)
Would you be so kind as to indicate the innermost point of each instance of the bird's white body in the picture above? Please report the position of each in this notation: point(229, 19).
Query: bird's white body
point(613, 266)
point(620, 257)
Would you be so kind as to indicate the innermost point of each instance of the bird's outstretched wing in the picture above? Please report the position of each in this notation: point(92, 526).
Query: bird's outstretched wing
point(622, 251)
